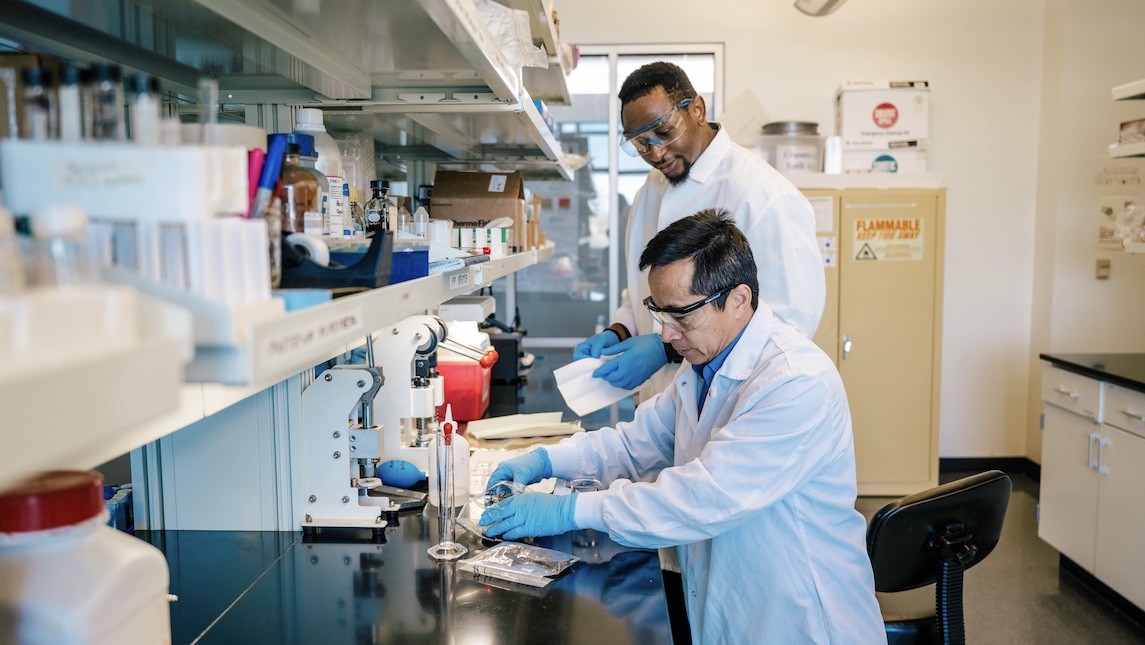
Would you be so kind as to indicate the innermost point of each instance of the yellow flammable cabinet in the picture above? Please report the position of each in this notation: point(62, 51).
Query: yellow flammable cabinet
point(882, 325)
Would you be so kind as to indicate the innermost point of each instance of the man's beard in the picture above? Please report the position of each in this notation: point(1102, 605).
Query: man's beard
point(683, 176)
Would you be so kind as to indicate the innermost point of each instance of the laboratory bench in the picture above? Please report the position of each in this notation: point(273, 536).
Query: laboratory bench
point(1093, 472)
point(278, 587)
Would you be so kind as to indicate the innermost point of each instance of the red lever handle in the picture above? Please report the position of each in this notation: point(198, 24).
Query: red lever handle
point(488, 359)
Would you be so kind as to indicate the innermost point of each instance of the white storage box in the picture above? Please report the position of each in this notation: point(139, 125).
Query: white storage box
point(868, 113)
point(906, 157)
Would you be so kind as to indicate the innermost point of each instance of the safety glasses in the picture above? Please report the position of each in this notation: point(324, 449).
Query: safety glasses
point(683, 319)
point(661, 132)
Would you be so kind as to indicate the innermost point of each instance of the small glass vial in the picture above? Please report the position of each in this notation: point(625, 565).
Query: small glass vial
point(105, 104)
point(72, 579)
point(61, 257)
point(70, 98)
point(40, 118)
point(300, 210)
point(380, 210)
point(144, 108)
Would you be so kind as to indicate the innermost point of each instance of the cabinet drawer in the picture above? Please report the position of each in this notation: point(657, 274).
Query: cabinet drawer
point(1074, 392)
point(1125, 409)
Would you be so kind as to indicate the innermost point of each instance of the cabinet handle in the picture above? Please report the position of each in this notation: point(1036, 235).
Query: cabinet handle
point(1133, 415)
point(1092, 462)
point(1101, 469)
point(846, 346)
point(1065, 392)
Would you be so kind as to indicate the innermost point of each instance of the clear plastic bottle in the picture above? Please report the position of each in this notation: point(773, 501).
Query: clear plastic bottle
point(421, 223)
point(12, 278)
point(404, 221)
point(300, 212)
point(62, 257)
point(40, 118)
point(309, 121)
point(357, 215)
point(380, 210)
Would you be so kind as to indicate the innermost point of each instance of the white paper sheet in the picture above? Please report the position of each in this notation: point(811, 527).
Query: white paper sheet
point(583, 393)
point(541, 424)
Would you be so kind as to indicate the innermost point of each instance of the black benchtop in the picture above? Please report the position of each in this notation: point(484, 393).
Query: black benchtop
point(267, 587)
point(1126, 370)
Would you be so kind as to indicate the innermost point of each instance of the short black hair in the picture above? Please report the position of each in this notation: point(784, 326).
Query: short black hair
point(659, 74)
point(719, 251)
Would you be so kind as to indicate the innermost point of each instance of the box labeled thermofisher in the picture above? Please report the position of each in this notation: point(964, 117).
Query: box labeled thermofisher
point(870, 113)
point(903, 157)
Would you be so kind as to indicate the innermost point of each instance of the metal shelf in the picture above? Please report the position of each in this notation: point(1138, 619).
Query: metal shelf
point(407, 57)
point(1134, 91)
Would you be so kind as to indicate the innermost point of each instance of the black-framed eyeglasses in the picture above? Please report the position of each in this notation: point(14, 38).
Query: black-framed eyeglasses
point(672, 316)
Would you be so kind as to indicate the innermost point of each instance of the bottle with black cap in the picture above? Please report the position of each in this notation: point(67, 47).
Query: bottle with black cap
point(380, 210)
point(39, 105)
point(105, 103)
point(144, 108)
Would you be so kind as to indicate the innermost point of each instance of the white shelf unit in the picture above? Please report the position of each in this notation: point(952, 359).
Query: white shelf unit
point(82, 409)
point(1134, 91)
point(429, 69)
point(374, 310)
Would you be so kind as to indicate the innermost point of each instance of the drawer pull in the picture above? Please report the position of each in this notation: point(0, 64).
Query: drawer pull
point(1133, 415)
point(1065, 392)
point(1091, 461)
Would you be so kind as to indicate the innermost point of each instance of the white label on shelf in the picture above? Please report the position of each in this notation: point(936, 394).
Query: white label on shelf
point(888, 238)
point(497, 183)
point(824, 208)
point(337, 328)
point(459, 280)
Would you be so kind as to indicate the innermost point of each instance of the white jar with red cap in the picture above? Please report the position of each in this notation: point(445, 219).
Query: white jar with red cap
point(68, 578)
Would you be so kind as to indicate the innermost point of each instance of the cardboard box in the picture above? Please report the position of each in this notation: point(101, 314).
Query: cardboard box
point(870, 112)
point(476, 198)
point(902, 157)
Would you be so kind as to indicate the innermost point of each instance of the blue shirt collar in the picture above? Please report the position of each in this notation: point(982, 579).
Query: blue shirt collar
point(708, 370)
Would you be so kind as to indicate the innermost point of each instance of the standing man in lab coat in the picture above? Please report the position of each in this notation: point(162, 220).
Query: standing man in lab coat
point(746, 464)
point(696, 165)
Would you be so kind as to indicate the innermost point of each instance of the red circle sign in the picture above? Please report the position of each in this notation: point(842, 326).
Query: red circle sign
point(885, 115)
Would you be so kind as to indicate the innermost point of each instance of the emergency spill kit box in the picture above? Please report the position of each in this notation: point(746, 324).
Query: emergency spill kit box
point(904, 157)
point(476, 198)
point(870, 113)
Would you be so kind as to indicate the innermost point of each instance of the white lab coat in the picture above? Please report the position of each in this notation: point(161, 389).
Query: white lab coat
point(774, 216)
point(758, 493)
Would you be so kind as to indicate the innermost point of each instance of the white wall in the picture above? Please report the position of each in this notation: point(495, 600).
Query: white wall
point(1090, 47)
point(984, 61)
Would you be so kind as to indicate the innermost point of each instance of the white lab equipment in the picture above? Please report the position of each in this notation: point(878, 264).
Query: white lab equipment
point(445, 473)
point(459, 449)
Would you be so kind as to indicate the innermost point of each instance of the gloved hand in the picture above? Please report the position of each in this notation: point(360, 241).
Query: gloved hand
point(524, 470)
point(640, 357)
point(530, 515)
point(592, 346)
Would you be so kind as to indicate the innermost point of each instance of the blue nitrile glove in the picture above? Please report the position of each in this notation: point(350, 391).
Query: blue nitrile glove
point(593, 345)
point(524, 470)
point(640, 357)
point(530, 515)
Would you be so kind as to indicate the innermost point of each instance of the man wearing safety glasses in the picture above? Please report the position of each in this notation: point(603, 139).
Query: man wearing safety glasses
point(745, 465)
point(696, 165)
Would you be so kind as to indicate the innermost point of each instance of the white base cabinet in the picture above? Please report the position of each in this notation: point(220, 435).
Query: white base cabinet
point(1093, 478)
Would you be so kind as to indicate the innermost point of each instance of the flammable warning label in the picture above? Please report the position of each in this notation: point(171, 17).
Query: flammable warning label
point(888, 239)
